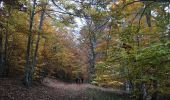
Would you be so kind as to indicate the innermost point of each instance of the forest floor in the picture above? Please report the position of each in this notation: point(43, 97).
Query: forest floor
point(51, 89)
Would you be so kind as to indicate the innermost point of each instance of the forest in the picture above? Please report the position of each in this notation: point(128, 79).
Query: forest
point(84, 49)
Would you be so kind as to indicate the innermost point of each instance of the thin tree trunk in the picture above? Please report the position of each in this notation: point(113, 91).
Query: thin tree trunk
point(5, 52)
point(148, 18)
point(38, 40)
point(27, 73)
point(148, 15)
point(108, 42)
point(155, 94)
point(1, 54)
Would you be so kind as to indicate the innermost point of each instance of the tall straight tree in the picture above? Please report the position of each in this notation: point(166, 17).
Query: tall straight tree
point(28, 68)
point(91, 54)
point(1, 52)
point(4, 26)
point(44, 4)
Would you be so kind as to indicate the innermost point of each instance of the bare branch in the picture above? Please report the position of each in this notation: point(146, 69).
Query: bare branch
point(142, 15)
point(130, 3)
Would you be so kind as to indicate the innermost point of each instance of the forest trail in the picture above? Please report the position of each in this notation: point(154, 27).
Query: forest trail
point(51, 89)
point(58, 85)
point(84, 91)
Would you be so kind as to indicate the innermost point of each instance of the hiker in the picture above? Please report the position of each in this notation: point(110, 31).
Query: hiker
point(77, 80)
point(81, 79)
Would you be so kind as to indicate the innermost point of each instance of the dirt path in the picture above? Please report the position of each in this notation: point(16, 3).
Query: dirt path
point(76, 87)
point(51, 89)
point(73, 91)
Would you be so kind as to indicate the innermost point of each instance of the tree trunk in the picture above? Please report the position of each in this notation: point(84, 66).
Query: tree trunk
point(143, 92)
point(148, 15)
point(38, 40)
point(27, 73)
point(6, 69)
point(92, 57)
point(155, 94)
point(1, 54)
point(148, 18)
